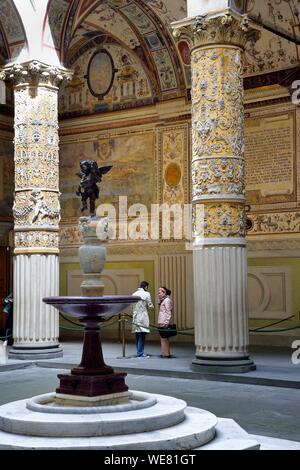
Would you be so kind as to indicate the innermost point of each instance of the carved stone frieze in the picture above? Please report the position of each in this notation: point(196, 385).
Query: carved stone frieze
point(36, 204)
point(71, 237)
point(36, 239)
point(36, 207)
point(217, 103)
point(222, 220)
point(36, 167)
point(275, 223)
point(218, 177)
point(218, 167)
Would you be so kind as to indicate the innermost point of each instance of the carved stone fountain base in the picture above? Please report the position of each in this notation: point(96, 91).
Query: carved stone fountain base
point(143, 422)
point(92, 386)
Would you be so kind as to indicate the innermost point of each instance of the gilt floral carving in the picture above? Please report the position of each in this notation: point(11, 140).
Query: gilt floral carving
point(36, 206)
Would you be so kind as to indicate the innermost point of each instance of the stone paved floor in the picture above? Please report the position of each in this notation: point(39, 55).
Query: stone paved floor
point(269, 411)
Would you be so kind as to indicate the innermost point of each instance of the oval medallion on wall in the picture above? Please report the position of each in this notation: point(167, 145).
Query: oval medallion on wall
point(173, 175)
point(101, 73)
point(185, 52)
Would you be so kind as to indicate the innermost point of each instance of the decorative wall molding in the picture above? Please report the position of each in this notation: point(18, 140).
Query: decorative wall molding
point(173, 164)
point(270, 292)
point(272, 246)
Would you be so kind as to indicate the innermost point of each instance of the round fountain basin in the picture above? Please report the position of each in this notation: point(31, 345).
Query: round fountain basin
point(91, 307)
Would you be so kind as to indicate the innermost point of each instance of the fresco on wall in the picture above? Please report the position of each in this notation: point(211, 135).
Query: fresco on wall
point(173, 155)
point(165, 69)
point(147, 67)
point(130, 87)
point(132, 157)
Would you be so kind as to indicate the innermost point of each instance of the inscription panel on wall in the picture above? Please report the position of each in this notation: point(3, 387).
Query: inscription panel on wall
point(270, 159)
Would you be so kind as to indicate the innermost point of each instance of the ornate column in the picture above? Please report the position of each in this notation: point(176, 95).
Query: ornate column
point(36, 208)
point(218, 173)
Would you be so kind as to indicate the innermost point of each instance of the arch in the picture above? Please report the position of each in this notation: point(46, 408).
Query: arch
point(56, 20)
point(12, 31)
point(149, 36)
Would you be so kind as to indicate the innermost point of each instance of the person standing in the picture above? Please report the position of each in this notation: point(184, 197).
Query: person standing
point(164, 318)
point(140, 318)
point(8, 310)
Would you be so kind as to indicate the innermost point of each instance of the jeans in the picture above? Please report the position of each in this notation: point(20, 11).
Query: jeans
point(140, 343)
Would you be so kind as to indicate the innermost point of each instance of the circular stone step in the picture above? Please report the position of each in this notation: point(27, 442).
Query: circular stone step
point(197, 429)
point(165, 412)
point(46, 404)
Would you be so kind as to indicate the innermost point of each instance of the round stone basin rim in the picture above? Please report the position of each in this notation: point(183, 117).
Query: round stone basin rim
point(114, 299)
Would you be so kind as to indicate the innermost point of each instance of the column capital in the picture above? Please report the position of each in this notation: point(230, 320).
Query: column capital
point(223, 28)
point(35, 73)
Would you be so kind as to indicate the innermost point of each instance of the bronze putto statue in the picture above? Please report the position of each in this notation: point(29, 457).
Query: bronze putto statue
point(90, 175)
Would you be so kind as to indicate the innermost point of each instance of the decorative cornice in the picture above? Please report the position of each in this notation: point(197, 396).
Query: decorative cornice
point(226, 28)
point(35, 73)
point(278, 246)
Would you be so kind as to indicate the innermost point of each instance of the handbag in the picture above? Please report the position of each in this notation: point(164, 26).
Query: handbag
point(168, 331)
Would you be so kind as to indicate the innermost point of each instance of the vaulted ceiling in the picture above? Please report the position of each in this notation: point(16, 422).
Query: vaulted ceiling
point(148, 63)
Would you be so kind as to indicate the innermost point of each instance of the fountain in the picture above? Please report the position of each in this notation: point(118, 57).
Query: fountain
point(92, 408)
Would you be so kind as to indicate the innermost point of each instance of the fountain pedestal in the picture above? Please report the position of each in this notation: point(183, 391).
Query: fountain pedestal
point(92, 408)
point(92, 377)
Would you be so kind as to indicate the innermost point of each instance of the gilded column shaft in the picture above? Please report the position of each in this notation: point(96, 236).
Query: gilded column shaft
point(36, 206)
point(218, 167)
point(218, 190)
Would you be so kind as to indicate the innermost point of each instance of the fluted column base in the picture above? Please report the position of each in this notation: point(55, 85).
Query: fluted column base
point(31, 354)
point(221, 317)
point(223, 365)
point(36, 325)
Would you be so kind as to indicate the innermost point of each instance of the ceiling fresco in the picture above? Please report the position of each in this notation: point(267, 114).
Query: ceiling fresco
point(143, 52)
point(149, 64)
point(273, 52)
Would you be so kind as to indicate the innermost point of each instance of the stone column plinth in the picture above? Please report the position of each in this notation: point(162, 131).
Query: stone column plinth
point(218, 173)
point(36, 208)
